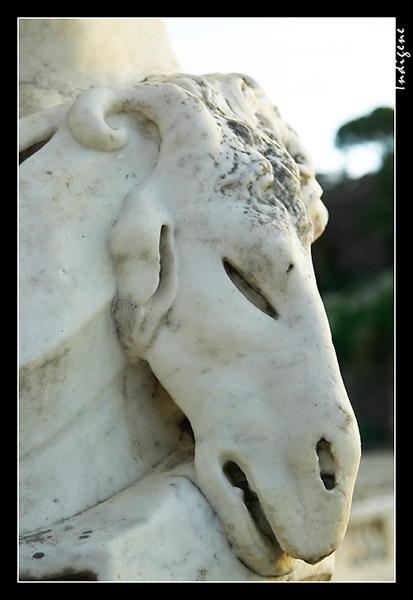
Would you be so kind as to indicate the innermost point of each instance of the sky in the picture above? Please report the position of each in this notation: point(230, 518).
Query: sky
point(319, 71)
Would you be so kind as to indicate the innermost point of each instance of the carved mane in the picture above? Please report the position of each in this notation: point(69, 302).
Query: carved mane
point(262, 161)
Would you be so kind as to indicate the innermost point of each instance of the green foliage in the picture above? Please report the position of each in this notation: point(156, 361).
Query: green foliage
point(354, 265)
point(378, 126)
point(362, 320)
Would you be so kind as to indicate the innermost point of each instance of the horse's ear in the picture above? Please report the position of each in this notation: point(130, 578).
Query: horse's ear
point(147, 281)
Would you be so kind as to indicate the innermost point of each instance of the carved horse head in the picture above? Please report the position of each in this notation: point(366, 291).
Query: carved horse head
point(216, 291)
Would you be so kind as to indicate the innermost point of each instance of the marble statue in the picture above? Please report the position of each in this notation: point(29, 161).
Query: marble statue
point(182, 412)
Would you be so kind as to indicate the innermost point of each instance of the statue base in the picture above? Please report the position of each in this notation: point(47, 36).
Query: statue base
point(161, 529)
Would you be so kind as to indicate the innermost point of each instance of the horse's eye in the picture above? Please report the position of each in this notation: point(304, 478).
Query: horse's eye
point(249, 290)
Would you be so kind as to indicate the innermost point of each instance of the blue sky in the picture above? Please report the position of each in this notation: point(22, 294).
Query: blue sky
point(319, 71)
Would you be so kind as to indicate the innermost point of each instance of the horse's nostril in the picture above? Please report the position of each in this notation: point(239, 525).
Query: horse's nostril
point(237, 478)
point(326, 464)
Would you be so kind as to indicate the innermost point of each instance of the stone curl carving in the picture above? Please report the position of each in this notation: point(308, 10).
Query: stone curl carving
point(261, 151)
point(215, 291)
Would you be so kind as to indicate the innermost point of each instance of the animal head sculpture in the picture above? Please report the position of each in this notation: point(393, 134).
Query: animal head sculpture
point(216, 290)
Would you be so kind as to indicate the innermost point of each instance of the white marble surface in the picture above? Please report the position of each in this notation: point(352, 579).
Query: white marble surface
point(165, 234)
point(62, 57)
point(159, 529)
point(81, 427)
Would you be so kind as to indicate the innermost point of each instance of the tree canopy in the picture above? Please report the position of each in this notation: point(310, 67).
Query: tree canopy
point(378, 126)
